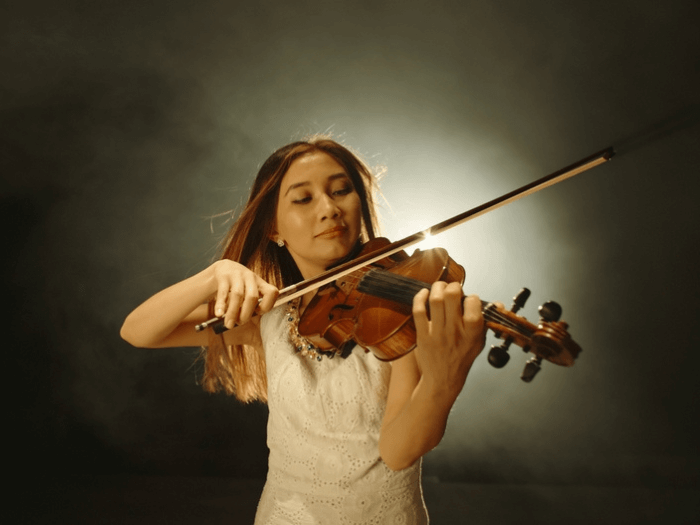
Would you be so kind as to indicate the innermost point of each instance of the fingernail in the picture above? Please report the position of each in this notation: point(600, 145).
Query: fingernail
point(219, 312)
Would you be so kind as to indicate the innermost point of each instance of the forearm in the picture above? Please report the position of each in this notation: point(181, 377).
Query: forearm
point(151, 322)
point(419, 426)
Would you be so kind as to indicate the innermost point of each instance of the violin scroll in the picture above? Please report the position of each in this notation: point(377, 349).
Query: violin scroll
point(549, 340)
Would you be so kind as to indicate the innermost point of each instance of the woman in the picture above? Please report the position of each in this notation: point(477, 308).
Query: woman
point(346, 435)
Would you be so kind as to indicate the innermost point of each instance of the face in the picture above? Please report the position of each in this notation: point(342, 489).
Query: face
point(318, 213)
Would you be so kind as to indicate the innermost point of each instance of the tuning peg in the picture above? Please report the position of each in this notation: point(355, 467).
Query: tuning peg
point(531, 369)
point(550, 311)
point(498, 355)
point(520, 299)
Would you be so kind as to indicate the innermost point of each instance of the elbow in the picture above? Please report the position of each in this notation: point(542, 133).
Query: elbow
point(396, 464)
point(396, 460)
point(398, 457)
point(401, 459)
point(127, 335)
point(131, 336)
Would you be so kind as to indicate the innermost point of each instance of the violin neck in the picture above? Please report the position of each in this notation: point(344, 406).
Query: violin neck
point(401, 289)
point(394, 287)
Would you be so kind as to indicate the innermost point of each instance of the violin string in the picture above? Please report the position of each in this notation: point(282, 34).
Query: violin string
point(390, 286)
point(399, 288)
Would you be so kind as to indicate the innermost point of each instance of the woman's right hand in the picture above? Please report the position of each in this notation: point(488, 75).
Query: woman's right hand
point(168, 318)
point(240, 293)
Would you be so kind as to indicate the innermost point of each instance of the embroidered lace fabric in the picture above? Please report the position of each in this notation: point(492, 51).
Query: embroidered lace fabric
point(323, 436)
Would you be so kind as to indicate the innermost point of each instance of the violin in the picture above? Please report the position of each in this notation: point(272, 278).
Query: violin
point(372, 307)
point(368, 300)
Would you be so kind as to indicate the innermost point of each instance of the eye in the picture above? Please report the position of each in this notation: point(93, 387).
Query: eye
point(345, 189)
point(302, 200)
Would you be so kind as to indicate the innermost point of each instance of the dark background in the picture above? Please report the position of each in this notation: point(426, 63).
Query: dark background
point(129, 129)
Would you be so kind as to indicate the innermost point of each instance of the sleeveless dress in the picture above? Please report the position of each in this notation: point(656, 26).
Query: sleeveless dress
point(323, 436)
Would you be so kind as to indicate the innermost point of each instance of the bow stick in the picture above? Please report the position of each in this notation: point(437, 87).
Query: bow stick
point(301, 288)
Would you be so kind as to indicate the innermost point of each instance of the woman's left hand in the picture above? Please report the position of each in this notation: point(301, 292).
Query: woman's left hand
point(449, 337)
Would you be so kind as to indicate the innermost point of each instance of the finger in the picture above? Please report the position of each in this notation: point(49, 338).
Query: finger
point(250, 299)
point(420, 312)
point(453, 308)
point(473, 317)
point(474, 322)
point(221, 298)
point(269, 296)
point(437, 304)
point(235, 298)
point(472, 310)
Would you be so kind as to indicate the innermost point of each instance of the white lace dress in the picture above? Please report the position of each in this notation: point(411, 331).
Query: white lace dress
point(323, 435)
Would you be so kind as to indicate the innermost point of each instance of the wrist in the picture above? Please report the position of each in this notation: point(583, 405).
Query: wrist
point(438, 390)
point(208, 280)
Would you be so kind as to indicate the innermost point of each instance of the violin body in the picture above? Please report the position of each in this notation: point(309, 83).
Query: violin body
point(377, 319)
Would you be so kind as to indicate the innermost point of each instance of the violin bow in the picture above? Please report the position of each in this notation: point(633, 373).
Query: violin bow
point(301, 288)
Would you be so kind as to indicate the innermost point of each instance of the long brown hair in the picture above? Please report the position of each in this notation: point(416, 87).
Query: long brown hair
point(239, 370)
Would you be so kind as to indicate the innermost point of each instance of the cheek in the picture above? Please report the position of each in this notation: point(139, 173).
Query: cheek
point(290, 224)
point(357, 213)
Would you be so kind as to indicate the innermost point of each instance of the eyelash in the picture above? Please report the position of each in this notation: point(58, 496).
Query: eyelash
point(346, 190)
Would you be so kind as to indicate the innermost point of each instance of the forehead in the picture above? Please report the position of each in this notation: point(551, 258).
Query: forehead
point(312, 167)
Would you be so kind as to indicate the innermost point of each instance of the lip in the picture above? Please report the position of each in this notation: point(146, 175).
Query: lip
point(332, 232)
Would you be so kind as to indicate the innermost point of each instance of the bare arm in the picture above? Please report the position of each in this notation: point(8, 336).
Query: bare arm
point(169, 317)
point(425, 383)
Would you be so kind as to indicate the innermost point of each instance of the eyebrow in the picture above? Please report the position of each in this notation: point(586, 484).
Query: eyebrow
point(306, 183)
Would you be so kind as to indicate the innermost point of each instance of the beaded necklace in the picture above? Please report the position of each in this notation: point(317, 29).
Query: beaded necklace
point(300, 343)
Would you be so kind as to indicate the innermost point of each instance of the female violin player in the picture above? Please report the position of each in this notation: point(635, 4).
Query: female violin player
point(346, 434)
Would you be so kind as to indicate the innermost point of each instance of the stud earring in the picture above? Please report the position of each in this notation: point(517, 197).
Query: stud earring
point(280, 243)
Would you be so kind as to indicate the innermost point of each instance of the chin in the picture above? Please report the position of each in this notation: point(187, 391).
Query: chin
point(336, 255)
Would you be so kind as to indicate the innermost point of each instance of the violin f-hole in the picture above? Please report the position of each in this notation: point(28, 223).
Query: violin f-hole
point(340, 306)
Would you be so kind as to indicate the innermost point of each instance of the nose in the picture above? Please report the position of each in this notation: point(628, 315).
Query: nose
point(328, 208)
